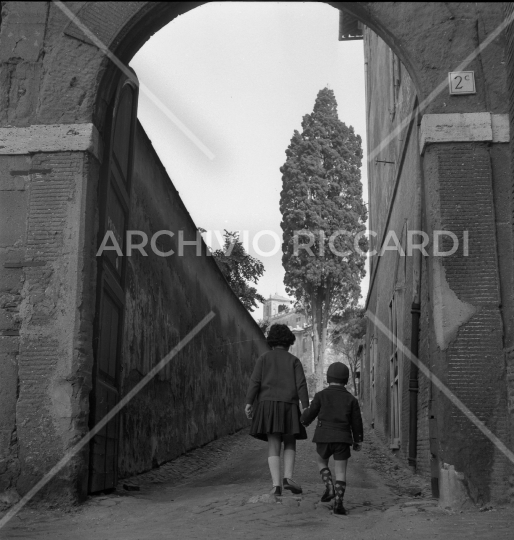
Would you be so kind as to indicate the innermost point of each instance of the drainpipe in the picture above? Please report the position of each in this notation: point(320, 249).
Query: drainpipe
point(413, 387)
point(414, 349)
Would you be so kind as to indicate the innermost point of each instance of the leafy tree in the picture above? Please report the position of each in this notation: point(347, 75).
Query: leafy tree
point(264, 325)
point(240, 268)
point(322, 210)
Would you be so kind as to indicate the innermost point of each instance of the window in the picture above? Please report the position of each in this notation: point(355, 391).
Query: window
point(394, 376)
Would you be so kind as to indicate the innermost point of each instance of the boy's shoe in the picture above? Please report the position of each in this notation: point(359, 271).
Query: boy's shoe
point(329, 494)
point(292, 486)
point(277, 490)
point(339, 508)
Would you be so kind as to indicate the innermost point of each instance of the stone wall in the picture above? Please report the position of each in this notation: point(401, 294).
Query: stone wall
point(466, 307)
point(199, 396)
point(393, 182)
point(47, 307)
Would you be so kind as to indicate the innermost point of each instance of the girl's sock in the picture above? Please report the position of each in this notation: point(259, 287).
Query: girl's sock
point(326, 476)
point(274, 469)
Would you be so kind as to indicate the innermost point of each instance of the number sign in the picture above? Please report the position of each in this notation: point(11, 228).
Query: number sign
point(462, 82)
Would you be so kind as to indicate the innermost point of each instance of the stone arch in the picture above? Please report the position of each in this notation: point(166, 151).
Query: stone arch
point(65, 79)
point(430, 39)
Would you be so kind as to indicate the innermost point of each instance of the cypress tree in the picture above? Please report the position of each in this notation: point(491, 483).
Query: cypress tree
point(321, 204)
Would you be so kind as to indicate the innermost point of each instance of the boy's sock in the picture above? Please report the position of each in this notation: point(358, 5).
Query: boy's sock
point(326, 476)
point(340, 488)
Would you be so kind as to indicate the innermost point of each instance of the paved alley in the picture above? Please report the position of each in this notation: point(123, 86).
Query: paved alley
point(220, 492)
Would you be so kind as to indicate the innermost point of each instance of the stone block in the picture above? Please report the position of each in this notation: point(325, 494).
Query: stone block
point(452, 490)
point(13, 211)
point(266, 499)
point(500, 127)
point(9, 345)
point(7, 320)
point(8, 392)
point(8, 498)
point(463, 127)
point(26, 22)
point(51, 138)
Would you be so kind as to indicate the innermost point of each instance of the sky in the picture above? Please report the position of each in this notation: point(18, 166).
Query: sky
point(239, 77)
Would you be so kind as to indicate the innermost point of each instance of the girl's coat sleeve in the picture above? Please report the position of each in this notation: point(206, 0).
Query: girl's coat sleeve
point(255, 382)
point(301, 384)
point(311, 412)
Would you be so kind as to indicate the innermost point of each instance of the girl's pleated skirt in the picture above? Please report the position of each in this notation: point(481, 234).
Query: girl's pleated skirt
point(277, 417)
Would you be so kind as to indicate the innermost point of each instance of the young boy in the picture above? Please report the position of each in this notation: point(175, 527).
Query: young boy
point(339, 417)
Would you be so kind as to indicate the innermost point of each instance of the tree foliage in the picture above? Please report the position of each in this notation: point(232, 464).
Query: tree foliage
point(322, 197)
point(239, 269)
point(351, 322)
point(347, 337)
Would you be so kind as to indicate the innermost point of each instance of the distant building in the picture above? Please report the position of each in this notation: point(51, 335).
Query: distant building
point(275, 305)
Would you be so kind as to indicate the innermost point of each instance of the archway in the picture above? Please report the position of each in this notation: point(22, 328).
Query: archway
point(76, 85)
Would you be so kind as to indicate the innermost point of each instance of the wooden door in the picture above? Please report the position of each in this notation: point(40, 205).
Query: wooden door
point(114, 204)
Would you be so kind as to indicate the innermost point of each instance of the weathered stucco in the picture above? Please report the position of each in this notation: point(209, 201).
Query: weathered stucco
point(449, 312)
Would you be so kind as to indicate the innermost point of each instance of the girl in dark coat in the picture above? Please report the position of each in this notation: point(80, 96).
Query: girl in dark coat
point(278, 385)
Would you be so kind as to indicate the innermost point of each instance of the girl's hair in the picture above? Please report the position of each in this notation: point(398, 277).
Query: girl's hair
point(280, 335)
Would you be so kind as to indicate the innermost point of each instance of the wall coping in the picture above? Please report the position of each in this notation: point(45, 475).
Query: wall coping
point(51, 138)
point(463, 127)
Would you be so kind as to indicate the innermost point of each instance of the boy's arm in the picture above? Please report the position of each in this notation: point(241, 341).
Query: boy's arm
point(356, 420)
point(310, 413)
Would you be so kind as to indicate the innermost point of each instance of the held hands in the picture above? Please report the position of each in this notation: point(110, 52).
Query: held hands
point(249, 412)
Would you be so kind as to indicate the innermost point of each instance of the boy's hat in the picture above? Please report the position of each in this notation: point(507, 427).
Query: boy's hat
point(338, 373)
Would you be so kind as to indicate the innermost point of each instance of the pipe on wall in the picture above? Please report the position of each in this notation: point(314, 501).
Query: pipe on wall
point(414, 342)
point(413, 386)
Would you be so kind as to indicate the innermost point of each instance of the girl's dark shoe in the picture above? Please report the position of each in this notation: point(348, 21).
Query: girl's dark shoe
point(292, 486)
point(277, 490)
point(329, 493)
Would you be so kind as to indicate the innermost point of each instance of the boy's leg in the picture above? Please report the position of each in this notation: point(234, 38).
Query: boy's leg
point(274, 443)
point(326, 477)
point(340, 468)
point(322, 463)
point(340, 485)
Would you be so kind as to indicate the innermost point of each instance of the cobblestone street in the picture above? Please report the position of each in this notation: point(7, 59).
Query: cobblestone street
point(220, 492)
